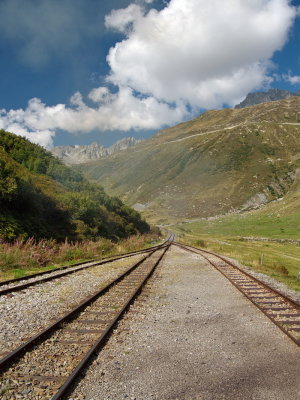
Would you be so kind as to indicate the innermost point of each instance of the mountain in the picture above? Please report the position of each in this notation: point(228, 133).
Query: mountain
point(81, 154)
point(264, 97)
point(222, 161)
point(40, 197)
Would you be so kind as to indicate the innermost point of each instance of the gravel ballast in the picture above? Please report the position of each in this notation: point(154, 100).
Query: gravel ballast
point(23, 314)
point(190, 336)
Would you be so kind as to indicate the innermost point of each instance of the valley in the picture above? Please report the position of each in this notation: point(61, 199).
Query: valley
point(228, 181)
point(221, 162)
point(150, 200)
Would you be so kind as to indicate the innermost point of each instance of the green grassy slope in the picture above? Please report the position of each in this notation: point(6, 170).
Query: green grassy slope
point(42, 198)
point(264, 239)
point(276, 220)
point(221, 161)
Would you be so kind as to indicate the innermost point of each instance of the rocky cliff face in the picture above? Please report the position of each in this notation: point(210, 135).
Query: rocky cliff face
point(94, 151)
point(264, 97)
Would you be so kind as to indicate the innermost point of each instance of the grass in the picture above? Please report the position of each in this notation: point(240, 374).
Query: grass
point(26, 257)
point(209, 174)
point(226, 235)
point(246, 225)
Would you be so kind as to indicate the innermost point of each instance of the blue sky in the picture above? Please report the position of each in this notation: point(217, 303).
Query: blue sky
point(99, 75)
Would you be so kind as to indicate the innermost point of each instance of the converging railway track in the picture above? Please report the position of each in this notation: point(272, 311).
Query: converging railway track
point(19, 284)
point(46, 365)
point(281, 310)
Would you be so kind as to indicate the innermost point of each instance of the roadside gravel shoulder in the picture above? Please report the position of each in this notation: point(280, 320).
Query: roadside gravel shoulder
point(192, 336)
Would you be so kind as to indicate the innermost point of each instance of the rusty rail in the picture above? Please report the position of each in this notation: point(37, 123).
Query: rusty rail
point(280, 309)
point(69, 271)
point(13, 358)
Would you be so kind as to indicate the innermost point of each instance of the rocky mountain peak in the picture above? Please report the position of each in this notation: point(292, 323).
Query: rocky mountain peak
point(94, 151)
point(264, 97)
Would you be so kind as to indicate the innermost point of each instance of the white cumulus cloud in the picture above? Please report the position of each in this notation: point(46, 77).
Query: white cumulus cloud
point(123, 18)
point(119, 111)
point(203, 53)
point(192, 54)
point(292, 79)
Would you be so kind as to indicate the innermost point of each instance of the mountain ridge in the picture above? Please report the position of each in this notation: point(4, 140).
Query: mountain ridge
point(219, 162)
point(79, 154)
point(264, 97)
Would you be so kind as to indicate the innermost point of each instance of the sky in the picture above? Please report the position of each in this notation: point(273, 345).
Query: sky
point(79, 71)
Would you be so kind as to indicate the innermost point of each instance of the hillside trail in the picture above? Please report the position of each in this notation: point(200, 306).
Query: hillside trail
point(226, 128)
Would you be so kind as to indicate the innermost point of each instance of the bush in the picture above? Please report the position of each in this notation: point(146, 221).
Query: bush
point(281, 269)
point(200, 243)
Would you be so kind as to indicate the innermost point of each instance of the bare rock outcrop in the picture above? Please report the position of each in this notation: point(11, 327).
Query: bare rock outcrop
point(94, 151)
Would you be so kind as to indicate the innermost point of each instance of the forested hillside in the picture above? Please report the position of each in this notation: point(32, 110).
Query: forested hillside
point(40, 197)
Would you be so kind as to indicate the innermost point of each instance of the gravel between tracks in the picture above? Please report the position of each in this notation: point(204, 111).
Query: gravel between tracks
point(24, 313)
point(195, 337)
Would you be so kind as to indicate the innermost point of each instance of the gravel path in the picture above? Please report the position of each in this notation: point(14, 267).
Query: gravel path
point(193, 336)
point(268, 280)
point(25, 313)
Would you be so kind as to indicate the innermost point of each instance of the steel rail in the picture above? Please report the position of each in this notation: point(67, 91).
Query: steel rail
point(66, 386)
point(13, 355)
point(264, 286)
point(26, 277)
point(293, 302)
point(69, 271)
point(111, 258)
point(72, 316)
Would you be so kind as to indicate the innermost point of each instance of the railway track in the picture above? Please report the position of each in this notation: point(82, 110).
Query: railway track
point(46, 365)
point(281, 310)
point(19, 284)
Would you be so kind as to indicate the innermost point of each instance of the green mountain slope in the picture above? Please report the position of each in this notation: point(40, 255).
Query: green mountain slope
point(221, 161)
point(41, 197)
point(265, 239)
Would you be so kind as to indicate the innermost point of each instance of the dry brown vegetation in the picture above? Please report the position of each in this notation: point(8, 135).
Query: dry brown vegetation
point(23, 257)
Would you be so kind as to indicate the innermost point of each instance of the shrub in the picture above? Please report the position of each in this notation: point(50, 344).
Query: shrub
point(200, 243)
point(30, 254)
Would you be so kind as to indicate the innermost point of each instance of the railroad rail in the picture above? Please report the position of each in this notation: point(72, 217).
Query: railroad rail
point(281, 310)
point(18, 284)
point(47, 364)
